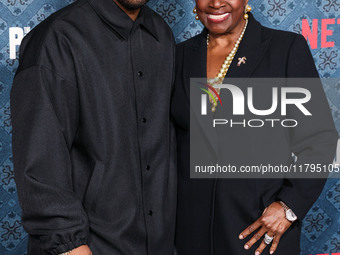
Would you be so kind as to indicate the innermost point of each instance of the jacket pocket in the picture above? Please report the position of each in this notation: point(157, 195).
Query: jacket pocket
point(93, 186)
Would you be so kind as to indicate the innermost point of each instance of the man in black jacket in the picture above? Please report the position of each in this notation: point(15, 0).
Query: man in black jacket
point(92, 141)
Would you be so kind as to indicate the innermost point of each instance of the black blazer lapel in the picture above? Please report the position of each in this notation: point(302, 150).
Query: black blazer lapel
point(195, 59)
point(253, 47)
point(195, 66)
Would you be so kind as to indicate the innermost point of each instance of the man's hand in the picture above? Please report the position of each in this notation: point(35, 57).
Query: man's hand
point(81, 250)
point(273, 222)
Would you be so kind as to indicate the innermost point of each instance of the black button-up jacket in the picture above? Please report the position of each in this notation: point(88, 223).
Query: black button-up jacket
point(92, 140)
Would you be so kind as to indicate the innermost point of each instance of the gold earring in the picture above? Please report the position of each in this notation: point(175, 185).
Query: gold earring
point(195, 11)
point(246, 10)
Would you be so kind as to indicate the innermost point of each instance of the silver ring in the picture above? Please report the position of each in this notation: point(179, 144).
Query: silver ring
point(268, 239)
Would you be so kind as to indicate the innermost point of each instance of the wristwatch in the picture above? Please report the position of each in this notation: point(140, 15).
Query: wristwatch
point(290, 215)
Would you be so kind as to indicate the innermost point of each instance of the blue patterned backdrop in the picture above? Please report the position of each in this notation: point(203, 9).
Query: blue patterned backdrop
point(321, 227)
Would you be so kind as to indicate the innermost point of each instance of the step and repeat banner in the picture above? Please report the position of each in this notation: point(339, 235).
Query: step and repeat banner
point(317, 20)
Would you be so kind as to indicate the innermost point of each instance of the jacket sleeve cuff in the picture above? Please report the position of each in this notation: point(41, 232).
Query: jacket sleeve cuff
point(65, 247)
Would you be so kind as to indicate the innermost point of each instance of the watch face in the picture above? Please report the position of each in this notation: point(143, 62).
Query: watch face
point(290, 215)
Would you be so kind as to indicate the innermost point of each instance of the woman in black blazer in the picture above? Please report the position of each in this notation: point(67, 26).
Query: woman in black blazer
point(232, 216)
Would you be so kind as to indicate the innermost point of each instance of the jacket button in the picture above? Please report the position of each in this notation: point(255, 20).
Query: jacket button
point(140, 73)
point(150, 212)
point(148, 167)
point(144, 120)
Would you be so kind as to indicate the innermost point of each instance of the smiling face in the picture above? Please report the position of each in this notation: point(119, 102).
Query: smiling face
point(221, 16)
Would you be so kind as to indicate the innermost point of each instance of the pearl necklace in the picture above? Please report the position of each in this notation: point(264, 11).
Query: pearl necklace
point(224, 69)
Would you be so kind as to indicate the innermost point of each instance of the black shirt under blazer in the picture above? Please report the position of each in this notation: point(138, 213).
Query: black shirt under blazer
point(212, 213)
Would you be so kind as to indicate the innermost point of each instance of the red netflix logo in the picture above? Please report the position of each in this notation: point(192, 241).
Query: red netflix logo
point(311, 34)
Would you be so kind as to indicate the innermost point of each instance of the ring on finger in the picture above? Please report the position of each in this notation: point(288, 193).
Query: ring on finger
point(268, 239)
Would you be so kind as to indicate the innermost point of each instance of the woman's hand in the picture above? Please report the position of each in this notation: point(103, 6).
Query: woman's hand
point(273, 222)
point(81, 250)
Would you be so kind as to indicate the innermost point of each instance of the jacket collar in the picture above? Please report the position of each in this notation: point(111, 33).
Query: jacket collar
point(253, 47)
point(119, 21)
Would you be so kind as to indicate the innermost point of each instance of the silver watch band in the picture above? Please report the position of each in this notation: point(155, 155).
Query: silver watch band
point(66, 253)
point(285, 207)
point(290, 215)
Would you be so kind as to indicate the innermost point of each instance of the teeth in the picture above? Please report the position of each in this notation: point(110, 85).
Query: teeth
point(218, 17)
